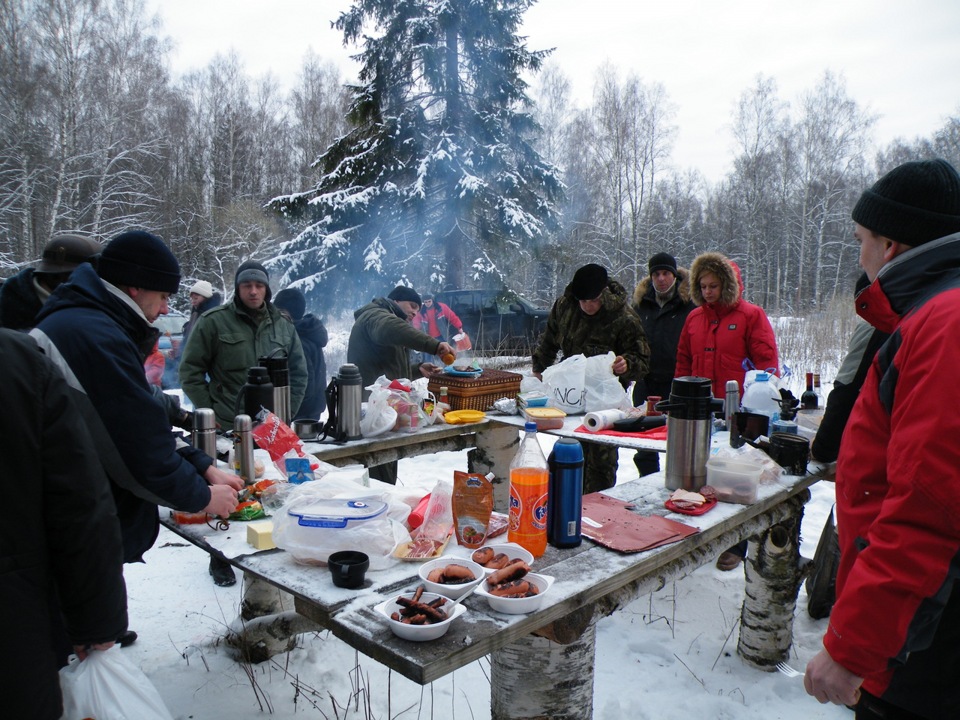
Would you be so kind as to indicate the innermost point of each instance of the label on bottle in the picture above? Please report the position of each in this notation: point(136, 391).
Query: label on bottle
point(528, 509)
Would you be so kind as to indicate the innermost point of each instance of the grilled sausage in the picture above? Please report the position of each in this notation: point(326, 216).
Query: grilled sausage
point(483, 555)
point(514, 589)
point(513, 571)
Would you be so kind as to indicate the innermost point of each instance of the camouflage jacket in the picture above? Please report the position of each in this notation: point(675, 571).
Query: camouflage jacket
point(615, 327)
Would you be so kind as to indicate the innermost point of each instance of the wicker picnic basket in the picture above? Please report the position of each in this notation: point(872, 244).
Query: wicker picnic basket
point(477, 393)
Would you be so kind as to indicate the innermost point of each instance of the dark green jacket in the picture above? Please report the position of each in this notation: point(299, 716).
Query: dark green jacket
point(224, 344)
point(381, 339)
point(615, 327)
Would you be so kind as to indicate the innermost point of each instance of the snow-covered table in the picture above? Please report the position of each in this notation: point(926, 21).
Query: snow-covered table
point(542, 663)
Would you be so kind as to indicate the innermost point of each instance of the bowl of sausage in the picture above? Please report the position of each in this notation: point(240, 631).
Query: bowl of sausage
point(419, 615)
point(514, 589)
point(450, 577)
point(497, 557)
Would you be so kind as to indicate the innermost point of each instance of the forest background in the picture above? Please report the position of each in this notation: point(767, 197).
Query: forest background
point(95, 136)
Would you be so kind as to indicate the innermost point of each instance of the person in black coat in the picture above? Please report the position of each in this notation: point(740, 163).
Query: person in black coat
point(313, 337)
point(22, 295)
point(114, 306)
point(662, 300)
point(61, 554)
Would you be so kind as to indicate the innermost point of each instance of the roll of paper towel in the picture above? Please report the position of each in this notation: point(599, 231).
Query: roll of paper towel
point(603, 420)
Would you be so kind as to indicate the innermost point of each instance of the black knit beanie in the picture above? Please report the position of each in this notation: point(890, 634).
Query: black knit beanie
point(662, 261)
point(588, 282)
point(252, 271)
point(293, 301)
point(139, 259)
point(914, 203)
point(402, 292)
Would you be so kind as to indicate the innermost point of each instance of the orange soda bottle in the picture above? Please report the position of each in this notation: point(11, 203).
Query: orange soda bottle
point(529, 480)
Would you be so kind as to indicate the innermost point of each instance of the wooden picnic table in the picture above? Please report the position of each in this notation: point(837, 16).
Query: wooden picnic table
point(558, 640)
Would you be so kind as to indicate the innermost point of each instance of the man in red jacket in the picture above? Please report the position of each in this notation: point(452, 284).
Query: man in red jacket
point(893, 644)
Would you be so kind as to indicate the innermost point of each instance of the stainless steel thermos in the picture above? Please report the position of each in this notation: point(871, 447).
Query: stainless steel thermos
point(689, 425)
point(278, 368)
point(565, 493)
point(256, 394)
point(205, 431)
point(349, 394)
point(243, 448)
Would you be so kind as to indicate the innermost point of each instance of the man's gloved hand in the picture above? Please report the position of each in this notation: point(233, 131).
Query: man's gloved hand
point(182, 419)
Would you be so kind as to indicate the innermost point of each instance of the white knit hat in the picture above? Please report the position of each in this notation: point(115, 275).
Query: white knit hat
point(202, 287)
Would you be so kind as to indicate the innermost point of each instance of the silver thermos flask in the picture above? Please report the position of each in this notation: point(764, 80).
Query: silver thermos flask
point(205, 431)
point(731, 403)
point(349, 393)
point(243, 448)
point(278, 367)
point(689, 426)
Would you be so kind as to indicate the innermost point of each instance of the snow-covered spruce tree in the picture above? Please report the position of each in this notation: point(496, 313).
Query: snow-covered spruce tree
point(437, 181)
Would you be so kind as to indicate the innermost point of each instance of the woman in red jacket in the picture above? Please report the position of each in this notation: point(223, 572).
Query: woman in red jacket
point(718, 335)
point(724, 329)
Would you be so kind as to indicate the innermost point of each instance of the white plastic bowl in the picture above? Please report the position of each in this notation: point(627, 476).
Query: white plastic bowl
point(417, 633)
point(512, 551)
point(519, 606)
point(454, 592)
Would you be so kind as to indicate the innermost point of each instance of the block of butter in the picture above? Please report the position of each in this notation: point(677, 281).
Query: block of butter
point(260, 534)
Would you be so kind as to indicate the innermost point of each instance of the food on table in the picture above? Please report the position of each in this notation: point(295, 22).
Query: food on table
point(415, 612)
point(509, 583)
point(452, 574)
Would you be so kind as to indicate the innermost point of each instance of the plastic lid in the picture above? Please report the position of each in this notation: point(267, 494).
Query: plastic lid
point(762, 377)
point(530, 426)
point(337, 513)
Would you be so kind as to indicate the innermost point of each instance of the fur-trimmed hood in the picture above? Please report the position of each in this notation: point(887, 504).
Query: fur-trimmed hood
point(646, 285)
point(723, 268)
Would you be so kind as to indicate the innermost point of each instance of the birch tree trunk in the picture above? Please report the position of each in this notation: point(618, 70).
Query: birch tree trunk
point(772, 580)
point(537, 679)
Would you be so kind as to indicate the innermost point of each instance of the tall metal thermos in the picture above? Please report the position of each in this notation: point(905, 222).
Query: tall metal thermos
point(243, 448)
point(689, 425)
point(349, 395)
point(278, 367)
point(256, 393)
point(205, 432)
point(565, 493)
point(731, 403)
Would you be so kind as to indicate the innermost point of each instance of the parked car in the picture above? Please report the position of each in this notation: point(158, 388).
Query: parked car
point(171, 339)
point(497, 321)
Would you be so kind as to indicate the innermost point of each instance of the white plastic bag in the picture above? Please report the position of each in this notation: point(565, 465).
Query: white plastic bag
point(602, 387)
point(107, 686)
point(565, 381)
point(379, 416)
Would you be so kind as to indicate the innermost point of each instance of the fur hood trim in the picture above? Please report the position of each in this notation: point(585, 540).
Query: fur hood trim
point(723, 268)
point(683, 286)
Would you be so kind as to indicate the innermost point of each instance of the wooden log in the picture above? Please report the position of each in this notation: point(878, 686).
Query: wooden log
point(263, 637)
point(537, 679)
point(495, 449)
point(260, 598)
point(773, 578)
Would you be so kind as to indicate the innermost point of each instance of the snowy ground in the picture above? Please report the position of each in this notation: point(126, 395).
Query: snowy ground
point(668, 655)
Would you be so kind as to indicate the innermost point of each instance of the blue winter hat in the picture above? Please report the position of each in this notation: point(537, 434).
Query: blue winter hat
point(139, 259)
point(293, 301)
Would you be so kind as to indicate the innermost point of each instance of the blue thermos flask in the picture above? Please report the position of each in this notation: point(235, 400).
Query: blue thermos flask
point(565, 493)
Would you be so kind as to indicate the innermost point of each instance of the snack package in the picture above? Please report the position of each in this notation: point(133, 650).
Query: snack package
point(472, 506)
point(276, 437)
point(430, 539)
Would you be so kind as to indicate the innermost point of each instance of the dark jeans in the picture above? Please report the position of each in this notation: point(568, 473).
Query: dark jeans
point(647, 462)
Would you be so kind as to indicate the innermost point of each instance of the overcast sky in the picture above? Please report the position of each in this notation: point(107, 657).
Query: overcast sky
point(900, 60)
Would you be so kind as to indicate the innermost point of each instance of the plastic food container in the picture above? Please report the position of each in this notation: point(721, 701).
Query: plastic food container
point(311, 531)
point(735, 481)
point(418, 633)
point(546, 418)
point(519, 606)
